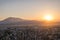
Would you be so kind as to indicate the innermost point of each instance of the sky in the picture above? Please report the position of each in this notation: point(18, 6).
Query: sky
point(29, 9)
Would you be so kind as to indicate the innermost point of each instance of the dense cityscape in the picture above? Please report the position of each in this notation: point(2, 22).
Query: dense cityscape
point(30, 33)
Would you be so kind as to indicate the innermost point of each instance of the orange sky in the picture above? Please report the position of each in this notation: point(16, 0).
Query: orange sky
point(29, 9)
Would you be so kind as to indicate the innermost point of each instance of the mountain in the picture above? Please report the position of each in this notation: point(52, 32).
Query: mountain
point(18, 21)
point(12, 19)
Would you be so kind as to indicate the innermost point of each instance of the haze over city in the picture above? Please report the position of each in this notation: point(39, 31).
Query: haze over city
point(29, 19)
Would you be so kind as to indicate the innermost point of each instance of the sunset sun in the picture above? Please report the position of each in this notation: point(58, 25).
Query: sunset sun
point(48, 17)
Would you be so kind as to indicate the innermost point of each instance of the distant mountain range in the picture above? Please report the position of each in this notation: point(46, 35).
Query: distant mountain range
point(18, 21)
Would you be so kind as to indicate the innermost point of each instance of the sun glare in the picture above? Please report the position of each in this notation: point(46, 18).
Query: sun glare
point(48, 17)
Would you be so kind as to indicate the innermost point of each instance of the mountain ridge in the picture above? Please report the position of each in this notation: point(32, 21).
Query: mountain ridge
point(18, 21)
